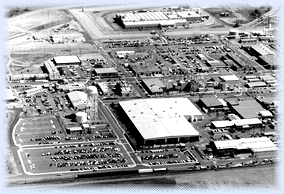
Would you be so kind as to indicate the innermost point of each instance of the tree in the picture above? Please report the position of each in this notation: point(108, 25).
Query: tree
point(117, 89)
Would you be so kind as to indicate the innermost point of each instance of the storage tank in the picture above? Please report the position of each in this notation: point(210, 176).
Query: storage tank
point(81, 117)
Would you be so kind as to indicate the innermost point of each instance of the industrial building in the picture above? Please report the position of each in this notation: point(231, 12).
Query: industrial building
point(246, 109)
point(67, 60)
point(261, 146)
point(78, 99)
point(153, 86)
point(106, 72)
point(159, 121)
point(260, 50)
point(266, 57)
point(239, 124)
point(157, 19)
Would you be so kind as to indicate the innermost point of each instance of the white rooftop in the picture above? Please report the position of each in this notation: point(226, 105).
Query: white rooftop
point(161, 118)
point(67, 59)
point(240, 122)
point(256, 144)
point(10, 95)
point(229, 77)
point(78, 98)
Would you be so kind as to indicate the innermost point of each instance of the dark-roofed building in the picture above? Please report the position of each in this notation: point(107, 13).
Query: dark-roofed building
point(268, 61)
point(106, 72)
point(247, 108)
point(212, 103)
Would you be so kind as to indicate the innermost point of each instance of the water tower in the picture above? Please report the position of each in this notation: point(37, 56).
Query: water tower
point(92, 110)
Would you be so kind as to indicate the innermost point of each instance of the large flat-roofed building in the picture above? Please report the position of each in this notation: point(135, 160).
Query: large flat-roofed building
point(159, 121)
point(106, 72)
point(78, 99)
point(246, 109)
point(156, 19)
point(67, 60)
point(261, 50)
point(261, 146)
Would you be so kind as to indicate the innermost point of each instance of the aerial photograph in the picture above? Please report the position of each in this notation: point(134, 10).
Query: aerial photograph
point(176, 95)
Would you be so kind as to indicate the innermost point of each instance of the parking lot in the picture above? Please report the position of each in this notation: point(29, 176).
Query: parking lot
point(80, 157)
point(37, 131)
point(166, 157)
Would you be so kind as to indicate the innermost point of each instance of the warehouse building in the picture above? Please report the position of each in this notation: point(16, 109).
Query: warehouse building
point(67, 60)
point(260, 50)
point(239, 124)
point(78, 99)
point(158, 19)
point(106, 72)
point(261, 146)
point(160, 121)
point(246, 109)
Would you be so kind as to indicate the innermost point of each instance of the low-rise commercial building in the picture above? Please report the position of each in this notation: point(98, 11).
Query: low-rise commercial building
point(212, 103)
point(34, 91)
point(237, 124)
point(261, 146)
point(153, 85)
point(106, 72)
